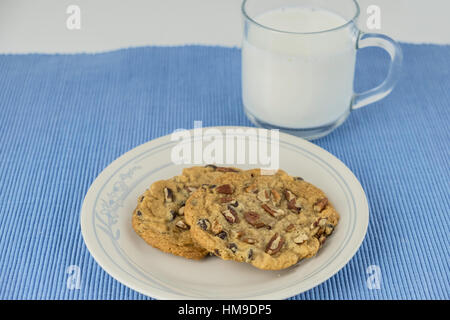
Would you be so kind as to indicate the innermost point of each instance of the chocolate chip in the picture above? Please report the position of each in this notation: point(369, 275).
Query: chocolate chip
point(141, 199)
point(298, 178)
point(250, 254)
point(172, 215)
point(233, 247)
point(235, 204)
point(211, 166)
point(139, 213)
point(217, 252)
point(329, 229)
point(204, 224)
point(222, 235)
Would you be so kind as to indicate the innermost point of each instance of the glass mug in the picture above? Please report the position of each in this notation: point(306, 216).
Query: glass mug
point(301, 82)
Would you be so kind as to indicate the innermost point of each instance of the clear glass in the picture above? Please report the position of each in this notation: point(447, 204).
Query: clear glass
point(298, 65)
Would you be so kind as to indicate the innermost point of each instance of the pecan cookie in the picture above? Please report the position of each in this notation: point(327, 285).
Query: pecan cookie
point(159, 215)
point(269, 221)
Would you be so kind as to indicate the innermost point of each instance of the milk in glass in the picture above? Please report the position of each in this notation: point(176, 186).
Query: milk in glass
point(299, 78)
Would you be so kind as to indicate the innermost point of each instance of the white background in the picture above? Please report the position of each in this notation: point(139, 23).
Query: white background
point(40, 25)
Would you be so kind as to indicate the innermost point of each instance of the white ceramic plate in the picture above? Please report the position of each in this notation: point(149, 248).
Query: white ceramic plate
point(107, 231)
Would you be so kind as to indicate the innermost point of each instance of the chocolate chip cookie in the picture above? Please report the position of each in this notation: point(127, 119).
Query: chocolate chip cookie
point(159, 215)
point(269, 221)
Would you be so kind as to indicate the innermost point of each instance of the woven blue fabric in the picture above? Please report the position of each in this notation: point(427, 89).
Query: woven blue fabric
point(63, 118)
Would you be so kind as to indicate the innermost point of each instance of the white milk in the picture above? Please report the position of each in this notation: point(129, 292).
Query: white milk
point(297, 80)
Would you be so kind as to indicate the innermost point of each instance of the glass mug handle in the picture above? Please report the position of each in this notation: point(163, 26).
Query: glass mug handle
point(395, 52)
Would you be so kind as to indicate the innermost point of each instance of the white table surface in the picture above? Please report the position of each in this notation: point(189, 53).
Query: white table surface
point(40, 25)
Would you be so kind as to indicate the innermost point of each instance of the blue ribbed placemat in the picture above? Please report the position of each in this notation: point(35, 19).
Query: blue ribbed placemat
point(63, 118)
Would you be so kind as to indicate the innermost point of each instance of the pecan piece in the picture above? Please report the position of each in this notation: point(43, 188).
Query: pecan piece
point(230, 215)
point(275, 244)
point(225, 199)
point(182, 225)
point(289, 228)
point(251, 188)
point(276, 198)
point(252, 218)
point(168, 195)
point(289, 195)
point(263, 195)
point(322, 222)
point(226, 169)
point(294, 205)
point(249, 240)
point(322, 239)
point(291, 204)
point(302, 237)
point(225, 189)
point(216, 227)
point(320, 204)
point(191, 189)
point(314, 228)
point(271, 211)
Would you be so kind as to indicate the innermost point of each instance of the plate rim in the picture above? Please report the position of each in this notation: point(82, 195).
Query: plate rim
point(280, 294)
